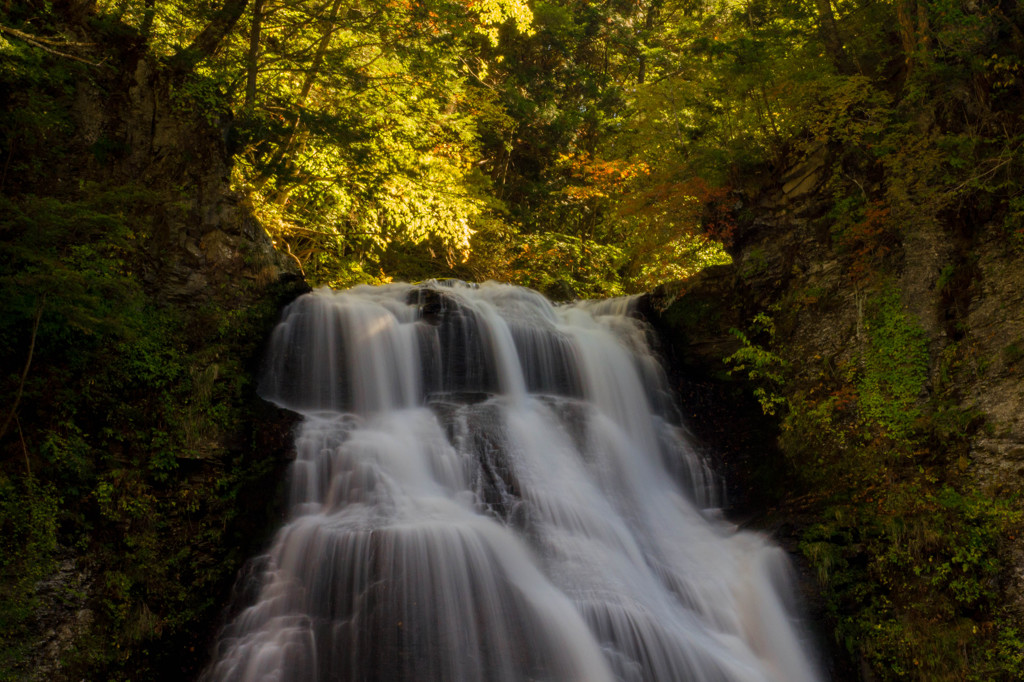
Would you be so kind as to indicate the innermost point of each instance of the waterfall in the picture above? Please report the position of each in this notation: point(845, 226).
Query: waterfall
point(489, 488)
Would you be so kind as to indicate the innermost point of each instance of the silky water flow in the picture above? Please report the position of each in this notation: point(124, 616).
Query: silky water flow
point(489, 488)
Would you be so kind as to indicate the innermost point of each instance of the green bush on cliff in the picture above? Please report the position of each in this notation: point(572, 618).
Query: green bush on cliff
point(28, 538)
point(116, 452)
point(910, 558)
point(760, 364)
point(911, 575)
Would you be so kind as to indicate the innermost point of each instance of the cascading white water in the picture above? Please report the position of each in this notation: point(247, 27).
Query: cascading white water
point(487, 489)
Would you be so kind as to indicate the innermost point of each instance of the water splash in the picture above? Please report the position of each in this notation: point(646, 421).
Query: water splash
point(489, 488)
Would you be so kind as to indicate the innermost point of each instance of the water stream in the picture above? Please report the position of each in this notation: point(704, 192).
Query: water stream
point(489, 488)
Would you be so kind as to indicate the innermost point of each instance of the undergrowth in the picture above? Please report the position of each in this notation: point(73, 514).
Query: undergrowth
point(116, 451)
point(910, 556)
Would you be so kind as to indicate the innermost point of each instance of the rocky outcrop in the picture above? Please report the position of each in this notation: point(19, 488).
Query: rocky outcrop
point(834, 298)
point(157, 136)
point(141, 138)
point(994, 327)
point(963, 290)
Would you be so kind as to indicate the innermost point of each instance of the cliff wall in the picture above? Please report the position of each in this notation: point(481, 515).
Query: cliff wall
point(138, 467)
point(881, 358)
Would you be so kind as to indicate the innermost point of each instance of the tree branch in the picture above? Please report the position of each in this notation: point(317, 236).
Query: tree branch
point(43, 43)
point(39, 39)
point(210, 38)
point(288, 249)
point(24, 449)
point(28, 364)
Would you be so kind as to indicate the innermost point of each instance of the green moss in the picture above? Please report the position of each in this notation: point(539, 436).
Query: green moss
point(755, 263)
point(896, 366)
point(691, 313)
point(1014, 352)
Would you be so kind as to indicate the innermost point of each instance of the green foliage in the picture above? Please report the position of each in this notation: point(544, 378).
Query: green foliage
point(384, 126)
point(361, 131)
point(28, 540)
point(35, 110)
point(896, 366)
point(594, 151)
point(567, 267)
point(117, 450)
point(760, 364)
point(900, 560)
point(354, 127)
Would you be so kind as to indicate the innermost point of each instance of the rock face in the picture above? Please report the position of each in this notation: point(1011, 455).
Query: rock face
point(203, 236)
point(995, 323)
point(207, 264)
point(939, 306)
point(64, 616)
point(967, 291)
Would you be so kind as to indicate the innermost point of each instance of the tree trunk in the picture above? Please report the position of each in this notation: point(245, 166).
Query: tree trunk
point(652, 14)
point(147, 19)
point(830, 37)
point(912, 18)
point(252, 61)
point(210, 38)
point(307, 85)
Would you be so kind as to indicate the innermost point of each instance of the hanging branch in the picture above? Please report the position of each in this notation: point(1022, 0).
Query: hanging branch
point(288, 248)
point(28, 364)
point(44, 43)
